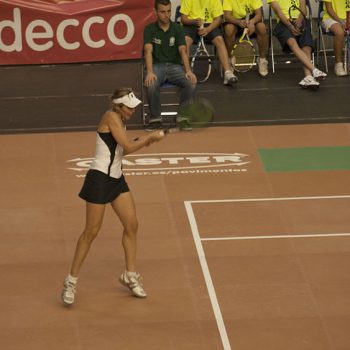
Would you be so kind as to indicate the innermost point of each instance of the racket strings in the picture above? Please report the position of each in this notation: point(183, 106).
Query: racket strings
point(198, 113)
point(244, 56)
point(201, 66)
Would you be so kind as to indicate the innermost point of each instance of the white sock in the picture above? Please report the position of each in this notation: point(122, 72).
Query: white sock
point(72, 279)
point(130, 273)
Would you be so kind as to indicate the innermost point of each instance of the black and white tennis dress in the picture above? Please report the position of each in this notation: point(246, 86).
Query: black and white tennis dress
point(105, 181)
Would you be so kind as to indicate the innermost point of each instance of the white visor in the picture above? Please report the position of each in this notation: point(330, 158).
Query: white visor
point(129, 100)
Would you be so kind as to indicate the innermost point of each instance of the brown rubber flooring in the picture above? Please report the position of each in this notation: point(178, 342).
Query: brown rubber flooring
point(233, 257)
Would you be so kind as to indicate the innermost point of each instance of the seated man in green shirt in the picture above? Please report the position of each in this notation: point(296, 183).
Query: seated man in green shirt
point(166, 60)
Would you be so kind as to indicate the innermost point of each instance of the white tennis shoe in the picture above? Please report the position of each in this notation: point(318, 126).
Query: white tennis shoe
point(133, 281)
point(318, 74)
point(309, 82)
point(262, 66)
point(339, 69)
point(68, 292)
point(230, 78)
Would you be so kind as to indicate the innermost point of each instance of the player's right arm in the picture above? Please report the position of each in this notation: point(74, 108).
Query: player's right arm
point(117, 128)
point(148, 58)
point(285, 20)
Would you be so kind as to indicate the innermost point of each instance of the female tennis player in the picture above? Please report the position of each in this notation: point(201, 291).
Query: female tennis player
point(104, 183)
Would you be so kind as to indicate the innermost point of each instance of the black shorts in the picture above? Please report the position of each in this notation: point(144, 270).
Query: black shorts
point(192, 32)
point(240, 31)
point(283, 33)
point(100, 188)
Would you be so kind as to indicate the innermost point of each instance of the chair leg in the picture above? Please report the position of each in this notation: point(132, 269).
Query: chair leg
point(346, 55)
point(271, 45)
point(323, 49)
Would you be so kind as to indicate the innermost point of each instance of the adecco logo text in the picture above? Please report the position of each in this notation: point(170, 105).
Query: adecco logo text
point(39, 34)
point(172, 163)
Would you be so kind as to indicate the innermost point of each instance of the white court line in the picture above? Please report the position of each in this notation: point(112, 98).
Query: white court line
point(207, 277)
point(276, 236)
point(201, 254)
point(267, 199)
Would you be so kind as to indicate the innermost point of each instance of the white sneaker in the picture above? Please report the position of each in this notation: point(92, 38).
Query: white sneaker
point(318, 74)
point(309, 82)
point(134, 283)
point(262, 66)
point(230, 78)
point(68, 292)
point(339, 69)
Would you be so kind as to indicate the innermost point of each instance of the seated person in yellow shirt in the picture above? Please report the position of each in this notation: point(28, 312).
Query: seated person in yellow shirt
point(292, 39)
point(206, 13)
point(333, 21)
point(234, 15)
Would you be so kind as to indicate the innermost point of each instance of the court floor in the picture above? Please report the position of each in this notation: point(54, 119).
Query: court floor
point(244, 242)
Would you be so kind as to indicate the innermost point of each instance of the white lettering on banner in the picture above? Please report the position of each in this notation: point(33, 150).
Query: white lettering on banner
point(86, 33)
point(129, 33)
point(60, 34)
point(15, 25)
point(47, 32)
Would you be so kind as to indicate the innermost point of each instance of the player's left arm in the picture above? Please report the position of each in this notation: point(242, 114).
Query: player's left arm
point(217, 21)
point(258, 17)
point(217, 13)
point(332, 13)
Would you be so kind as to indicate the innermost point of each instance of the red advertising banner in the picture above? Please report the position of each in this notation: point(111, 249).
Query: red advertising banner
point(49, 31)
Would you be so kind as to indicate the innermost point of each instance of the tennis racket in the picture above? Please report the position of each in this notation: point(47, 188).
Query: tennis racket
point(194, 114)
point(243, 52)
point(347, 43)
point(295, 12)
point(201, 62)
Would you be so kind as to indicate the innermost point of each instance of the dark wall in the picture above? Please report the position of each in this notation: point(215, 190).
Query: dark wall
point(62, 97)
point(74, 96)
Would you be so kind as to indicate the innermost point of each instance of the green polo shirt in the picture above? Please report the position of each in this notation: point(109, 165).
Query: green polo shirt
point(165, 43)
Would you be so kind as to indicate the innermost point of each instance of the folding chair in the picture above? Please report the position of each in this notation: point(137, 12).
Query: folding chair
point(271, 48)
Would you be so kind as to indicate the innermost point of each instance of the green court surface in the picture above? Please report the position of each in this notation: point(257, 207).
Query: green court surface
point(305, 158)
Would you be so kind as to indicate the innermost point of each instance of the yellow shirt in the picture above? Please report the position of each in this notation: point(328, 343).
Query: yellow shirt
point(339, 8)
point(285, 5)
point(238, 7)
point(204, 9)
